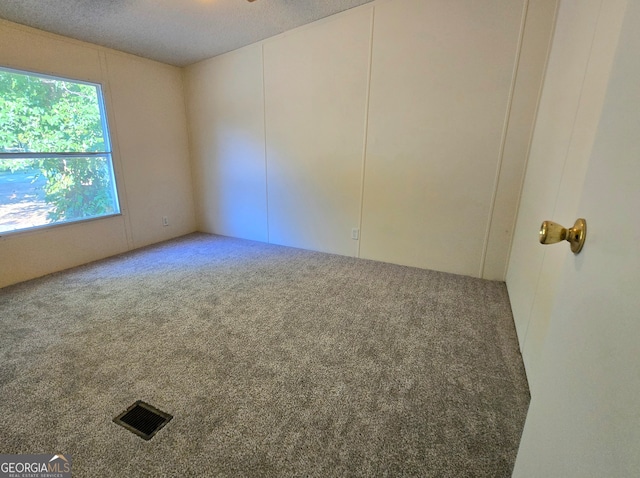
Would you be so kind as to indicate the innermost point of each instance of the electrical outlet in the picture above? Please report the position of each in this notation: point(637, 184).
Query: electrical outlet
point(355, 233)
point(165, 221)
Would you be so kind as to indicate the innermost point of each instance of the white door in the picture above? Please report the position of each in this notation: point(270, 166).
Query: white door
point(584, 417)
point(582, 53)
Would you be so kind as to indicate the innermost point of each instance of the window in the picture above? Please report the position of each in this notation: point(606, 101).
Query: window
point(55, 153)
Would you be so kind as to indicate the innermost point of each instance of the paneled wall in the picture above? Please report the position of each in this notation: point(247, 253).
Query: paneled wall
point(315, 98)
point(147, 119)
point(391, 119)
point(440, 84)
point(226, 111)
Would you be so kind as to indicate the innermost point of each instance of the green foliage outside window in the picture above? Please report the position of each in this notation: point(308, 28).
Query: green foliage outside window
point(48, 115)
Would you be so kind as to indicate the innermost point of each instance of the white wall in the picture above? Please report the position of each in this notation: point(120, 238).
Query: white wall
point(315, 99)
point(442, 75)
point(536, 41)
point(226, 114)
point(147, 119)
point(393, 118)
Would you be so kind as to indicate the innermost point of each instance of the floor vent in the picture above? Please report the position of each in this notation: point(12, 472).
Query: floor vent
point(143, 419)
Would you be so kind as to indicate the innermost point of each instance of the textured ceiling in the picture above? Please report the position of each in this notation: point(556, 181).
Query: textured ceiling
point(178, 32)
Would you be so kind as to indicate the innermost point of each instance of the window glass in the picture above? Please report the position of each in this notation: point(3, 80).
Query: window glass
point(55, 153)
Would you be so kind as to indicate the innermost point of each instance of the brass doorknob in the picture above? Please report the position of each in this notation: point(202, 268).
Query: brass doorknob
point(551, 233)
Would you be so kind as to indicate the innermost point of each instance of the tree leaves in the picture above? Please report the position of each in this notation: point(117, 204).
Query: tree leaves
point(49, 115)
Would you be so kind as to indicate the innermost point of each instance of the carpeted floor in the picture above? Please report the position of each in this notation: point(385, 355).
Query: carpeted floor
point(274, 362)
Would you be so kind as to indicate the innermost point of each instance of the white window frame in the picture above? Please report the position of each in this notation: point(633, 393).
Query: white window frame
point(108, 153)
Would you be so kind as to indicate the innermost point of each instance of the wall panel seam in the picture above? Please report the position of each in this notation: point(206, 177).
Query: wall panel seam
point(116, 156)
point(530, 142)
point(185, 100)
point(503, 139)
point(366, 129)
point(264, 128)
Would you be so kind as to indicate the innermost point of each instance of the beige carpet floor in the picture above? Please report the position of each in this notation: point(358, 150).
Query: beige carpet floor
point(274, 362)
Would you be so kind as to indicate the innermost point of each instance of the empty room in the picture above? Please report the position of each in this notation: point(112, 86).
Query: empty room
point(273, 238)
